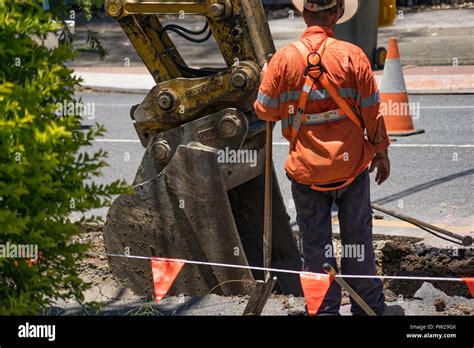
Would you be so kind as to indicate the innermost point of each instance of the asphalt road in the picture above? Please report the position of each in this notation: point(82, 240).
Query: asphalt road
point(432, 174)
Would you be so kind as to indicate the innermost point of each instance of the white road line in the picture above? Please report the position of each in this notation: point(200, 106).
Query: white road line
point(448, 107)
point(115, 105)
point(117, 140)
point(286, 144)
point(421, 107)
point(408, 145)
point(432, 145)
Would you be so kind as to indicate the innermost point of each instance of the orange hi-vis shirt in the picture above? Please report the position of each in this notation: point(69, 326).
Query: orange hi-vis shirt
point(330, 149)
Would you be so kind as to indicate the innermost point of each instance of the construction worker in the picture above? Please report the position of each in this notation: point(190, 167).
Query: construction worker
point(329, 157)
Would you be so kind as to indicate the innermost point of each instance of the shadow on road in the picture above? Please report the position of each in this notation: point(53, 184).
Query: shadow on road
point(423, 187)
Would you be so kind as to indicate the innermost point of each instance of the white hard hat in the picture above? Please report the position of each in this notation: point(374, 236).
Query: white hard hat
point(350, 8)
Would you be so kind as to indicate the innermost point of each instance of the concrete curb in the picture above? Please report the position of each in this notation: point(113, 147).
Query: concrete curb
point(116, 82)
point(121, 90)
point(139, 81)
point(438, 84)
point(439, 92)
point(436, 79)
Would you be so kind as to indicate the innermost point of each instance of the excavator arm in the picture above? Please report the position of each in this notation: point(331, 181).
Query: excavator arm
point(182, 93)
point(199, 188)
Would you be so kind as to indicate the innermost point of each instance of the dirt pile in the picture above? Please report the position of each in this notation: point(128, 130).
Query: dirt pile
point(95, 270)
point(408, 259)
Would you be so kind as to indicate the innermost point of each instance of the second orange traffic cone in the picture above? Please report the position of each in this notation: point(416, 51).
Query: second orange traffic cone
point(394, 104)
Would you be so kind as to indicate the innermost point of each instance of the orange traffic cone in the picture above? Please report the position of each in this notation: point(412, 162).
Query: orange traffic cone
point(394, 104)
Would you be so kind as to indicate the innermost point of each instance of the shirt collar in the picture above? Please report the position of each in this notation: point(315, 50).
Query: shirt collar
point(318, 30)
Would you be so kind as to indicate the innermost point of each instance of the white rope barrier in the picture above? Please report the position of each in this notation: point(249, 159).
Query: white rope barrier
point(276, 269)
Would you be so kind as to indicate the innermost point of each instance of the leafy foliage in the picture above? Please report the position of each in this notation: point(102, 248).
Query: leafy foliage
point(46, 168)
point(63, 11)
point(95, 44)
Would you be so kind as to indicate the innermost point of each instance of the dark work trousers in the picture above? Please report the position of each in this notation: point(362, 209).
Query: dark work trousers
point(313, 209)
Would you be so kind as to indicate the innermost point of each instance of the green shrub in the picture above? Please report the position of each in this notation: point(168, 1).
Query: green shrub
point(45, 172)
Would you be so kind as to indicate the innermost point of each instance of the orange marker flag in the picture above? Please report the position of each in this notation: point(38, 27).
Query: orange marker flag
point(164, 273)
point(315, 287)
point(470, 285)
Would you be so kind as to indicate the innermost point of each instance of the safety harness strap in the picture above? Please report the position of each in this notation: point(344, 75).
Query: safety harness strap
point(315, 72)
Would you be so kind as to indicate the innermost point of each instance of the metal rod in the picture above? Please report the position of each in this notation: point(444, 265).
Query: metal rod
point(465, 240)
point(267, 214)
point(355, 296)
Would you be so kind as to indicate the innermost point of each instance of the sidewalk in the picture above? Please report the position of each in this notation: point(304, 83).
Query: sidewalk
point(116, 79)
point(437, 79)
point(419, 80)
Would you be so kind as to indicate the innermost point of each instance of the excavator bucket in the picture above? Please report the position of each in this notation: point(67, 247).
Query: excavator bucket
point(199, 189)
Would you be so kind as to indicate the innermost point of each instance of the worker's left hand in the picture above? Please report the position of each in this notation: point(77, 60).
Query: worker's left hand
point(382, 163)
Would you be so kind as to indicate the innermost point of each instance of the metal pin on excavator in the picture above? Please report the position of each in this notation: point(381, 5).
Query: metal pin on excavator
point(188, 204)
